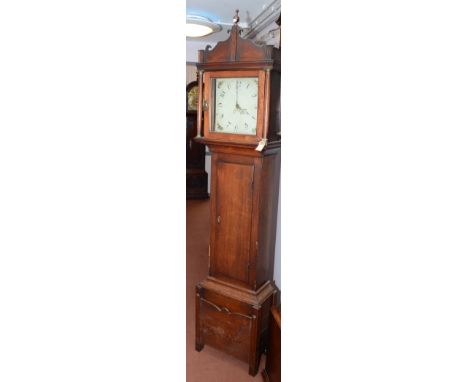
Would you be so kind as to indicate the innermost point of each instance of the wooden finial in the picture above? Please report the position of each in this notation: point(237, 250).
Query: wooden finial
point(236, 18)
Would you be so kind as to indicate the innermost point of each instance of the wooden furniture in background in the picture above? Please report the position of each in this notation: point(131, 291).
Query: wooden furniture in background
point(272, 371)
point(233, 302)
point(196, 176)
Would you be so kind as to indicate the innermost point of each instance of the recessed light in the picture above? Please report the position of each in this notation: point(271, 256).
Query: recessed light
point(197, 26)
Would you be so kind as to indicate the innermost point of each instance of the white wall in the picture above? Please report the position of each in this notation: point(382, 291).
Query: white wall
point(277, 270)
point(192, 48)
point(190, 73)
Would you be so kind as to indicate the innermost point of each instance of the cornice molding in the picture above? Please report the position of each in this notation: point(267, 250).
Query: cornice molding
point(264, 19)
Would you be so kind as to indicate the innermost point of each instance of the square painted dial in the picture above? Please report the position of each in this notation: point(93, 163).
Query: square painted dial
point(235, 105)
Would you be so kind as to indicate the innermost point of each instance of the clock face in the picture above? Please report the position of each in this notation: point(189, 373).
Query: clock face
point(235, 105)
point(192, 99)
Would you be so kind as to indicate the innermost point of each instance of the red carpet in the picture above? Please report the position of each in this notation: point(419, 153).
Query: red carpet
point(210, 365)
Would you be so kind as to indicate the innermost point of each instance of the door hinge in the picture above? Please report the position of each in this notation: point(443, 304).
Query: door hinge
point(209, 257)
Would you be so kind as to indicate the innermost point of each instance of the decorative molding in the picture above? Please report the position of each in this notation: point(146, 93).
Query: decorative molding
point(236, 50)
point(269, 36)
point(265, 18)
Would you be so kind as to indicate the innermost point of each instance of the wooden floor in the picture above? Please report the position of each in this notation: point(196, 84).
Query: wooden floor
point(209, 365)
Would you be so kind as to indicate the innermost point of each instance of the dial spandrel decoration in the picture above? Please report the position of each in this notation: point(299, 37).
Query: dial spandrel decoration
point(235, 105)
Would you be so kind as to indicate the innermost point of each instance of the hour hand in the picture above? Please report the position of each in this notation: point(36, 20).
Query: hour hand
point(240, 110)
point(243, 111)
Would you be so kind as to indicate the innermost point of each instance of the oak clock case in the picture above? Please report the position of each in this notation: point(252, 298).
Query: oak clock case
point(234, 105)
point(239, 121)
point(196, 177)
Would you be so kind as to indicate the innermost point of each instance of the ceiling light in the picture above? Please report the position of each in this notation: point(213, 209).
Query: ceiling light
point(197, 26)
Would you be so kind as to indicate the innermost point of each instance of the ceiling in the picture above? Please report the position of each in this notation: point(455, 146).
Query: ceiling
point(253, 14)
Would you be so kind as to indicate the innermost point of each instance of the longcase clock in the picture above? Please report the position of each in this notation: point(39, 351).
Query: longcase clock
point(196, 176)
point(239, 120)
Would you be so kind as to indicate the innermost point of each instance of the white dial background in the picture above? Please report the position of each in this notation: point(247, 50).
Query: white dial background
point(236, 103)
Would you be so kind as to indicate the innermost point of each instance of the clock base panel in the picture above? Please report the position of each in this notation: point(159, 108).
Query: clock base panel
point(234, 320)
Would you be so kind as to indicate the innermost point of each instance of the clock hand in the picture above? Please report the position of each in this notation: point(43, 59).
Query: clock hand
point(238, 108)
point(241, 110)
